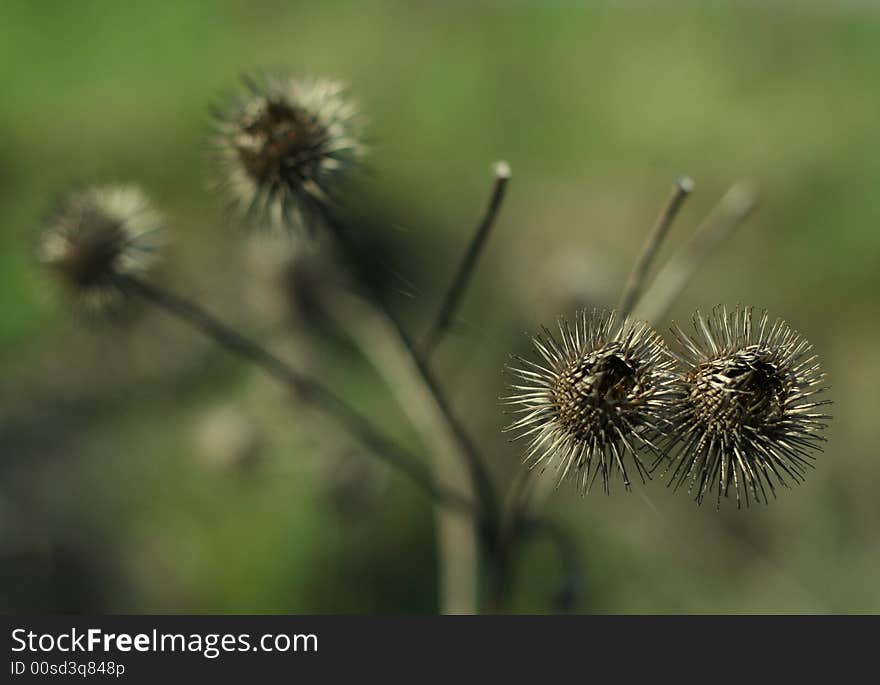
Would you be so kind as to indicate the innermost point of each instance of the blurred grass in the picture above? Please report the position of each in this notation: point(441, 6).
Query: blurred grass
point(597, 106)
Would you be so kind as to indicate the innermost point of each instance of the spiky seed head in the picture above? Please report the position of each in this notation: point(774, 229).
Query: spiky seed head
point(285, 147)
point(745, 409)
point(97, 236)
point(594, 397)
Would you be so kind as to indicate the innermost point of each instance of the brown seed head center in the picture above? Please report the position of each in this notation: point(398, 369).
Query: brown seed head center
point(280, 142)
point(90, 254)
point(740, 389)
point(592, 390)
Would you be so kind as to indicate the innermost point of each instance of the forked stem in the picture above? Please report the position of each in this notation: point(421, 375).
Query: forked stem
point(465, 447)
point(458, 538)
point(381, 446)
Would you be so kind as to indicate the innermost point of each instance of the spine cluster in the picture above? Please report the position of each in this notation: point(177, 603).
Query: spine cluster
point(734, 411)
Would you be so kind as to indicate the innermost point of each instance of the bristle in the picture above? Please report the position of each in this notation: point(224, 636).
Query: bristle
point(745, 413)
point(94, 237)
point(594, 400)
point(285, 148)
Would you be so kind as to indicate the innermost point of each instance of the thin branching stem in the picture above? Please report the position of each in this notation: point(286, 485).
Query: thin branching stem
point(452, 299)
point(305, 388)
point(637, 280)
point(467, 449)
point(456, 535)
point(734, 208)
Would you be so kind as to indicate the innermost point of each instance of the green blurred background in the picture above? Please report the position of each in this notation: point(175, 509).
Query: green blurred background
point(143, 471)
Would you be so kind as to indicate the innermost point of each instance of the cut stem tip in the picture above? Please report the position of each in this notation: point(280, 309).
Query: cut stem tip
point(501, 169)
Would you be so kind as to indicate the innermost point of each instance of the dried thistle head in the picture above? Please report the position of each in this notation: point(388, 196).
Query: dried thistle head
point(745, 403)
point(285, 147)
point(594, 399)
point(96, 237)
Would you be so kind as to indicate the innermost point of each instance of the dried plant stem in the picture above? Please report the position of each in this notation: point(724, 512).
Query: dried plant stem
point(466, 448)
point(452, 299)
point(636, 282)
point(733, 209)
point(306, 389)
point(458, 570)
point(457, 535)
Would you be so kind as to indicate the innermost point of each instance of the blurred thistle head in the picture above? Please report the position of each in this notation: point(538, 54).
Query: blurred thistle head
point(97, 237)
point(594, 399)
point(285, 148)
point(745, 408)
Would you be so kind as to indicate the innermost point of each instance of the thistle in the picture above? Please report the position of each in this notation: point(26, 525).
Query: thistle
point(595, 399)
point(284, 149)
point(95, 238)
point(745, 409)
